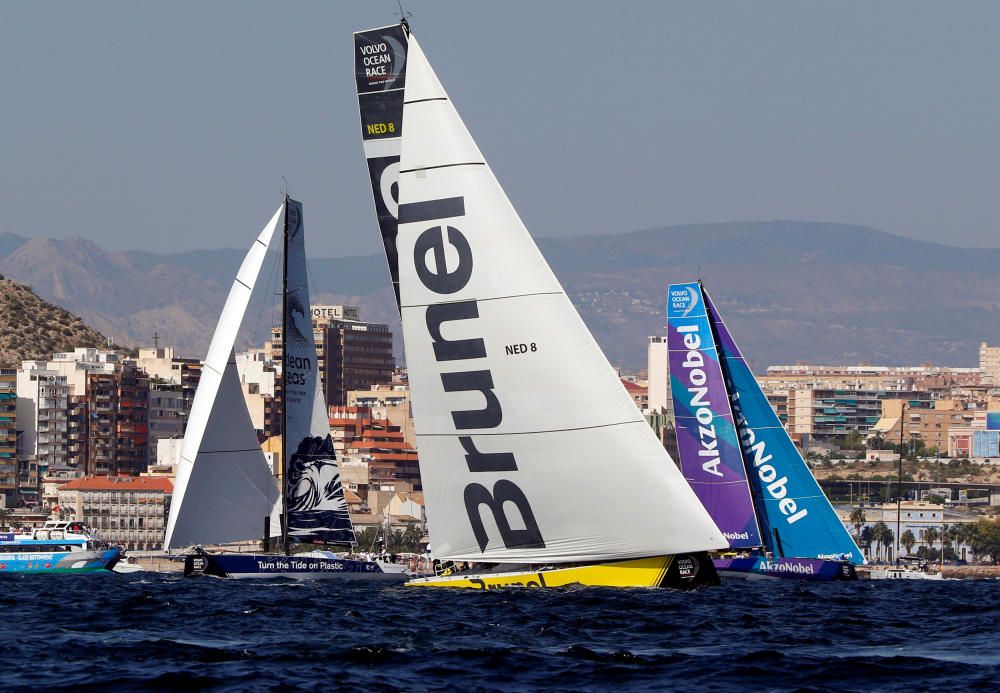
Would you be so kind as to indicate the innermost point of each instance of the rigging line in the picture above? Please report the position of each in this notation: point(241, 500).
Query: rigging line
point(261, 298)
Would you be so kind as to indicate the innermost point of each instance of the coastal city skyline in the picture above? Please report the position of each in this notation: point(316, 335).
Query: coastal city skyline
point(499, 347)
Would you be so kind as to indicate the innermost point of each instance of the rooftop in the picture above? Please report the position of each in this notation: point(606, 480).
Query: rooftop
point(120, 483)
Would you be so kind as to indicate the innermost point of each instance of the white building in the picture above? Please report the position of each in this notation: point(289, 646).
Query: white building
point(658, 377)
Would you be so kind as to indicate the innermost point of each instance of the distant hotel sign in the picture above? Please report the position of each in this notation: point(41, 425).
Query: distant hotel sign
point(328, 313)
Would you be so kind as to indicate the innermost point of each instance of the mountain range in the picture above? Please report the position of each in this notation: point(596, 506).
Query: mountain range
point(790, 291)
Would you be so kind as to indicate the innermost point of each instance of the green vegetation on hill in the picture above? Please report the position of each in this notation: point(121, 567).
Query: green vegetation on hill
point(30, 328)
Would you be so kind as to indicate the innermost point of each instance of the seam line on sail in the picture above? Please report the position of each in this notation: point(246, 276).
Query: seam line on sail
point(262, 242)
point(525, 433)
point(482, 300)
point(212, 452)
point(428, 168)
point(432, 98)
point(380, 91)
point(243, 283)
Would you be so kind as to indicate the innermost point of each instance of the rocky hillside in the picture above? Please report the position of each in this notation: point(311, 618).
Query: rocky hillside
point(31, 328)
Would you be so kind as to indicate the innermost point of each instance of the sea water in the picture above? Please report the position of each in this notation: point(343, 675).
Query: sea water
point(156, 632)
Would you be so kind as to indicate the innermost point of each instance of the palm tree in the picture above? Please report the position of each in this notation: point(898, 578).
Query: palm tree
point(967, 534)
point(879, 537)
point(858, 520)
point(907, 540)
point(930, 536)
point(865, 540)
point(366, 538)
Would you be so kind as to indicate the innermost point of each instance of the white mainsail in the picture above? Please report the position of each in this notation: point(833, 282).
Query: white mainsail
point(530, 448)
point(224, 487)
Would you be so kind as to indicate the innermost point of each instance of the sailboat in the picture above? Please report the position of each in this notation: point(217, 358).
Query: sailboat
point(225, 491)
point(537, 467)
point(739, 459)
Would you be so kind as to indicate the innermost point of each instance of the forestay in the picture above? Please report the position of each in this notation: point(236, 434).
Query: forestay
point(530, 448)
point(317, 510)
point(224, 487)
point(795, 515)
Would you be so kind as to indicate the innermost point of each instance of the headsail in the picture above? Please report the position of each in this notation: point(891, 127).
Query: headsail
point(530, 448)
point(317, 511)
point(380, 72)
point(220, 448)
point(709, 449)
point(795, 514)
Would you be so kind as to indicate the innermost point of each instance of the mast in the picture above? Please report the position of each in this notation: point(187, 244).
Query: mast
point(284, 381)
point(899, 479)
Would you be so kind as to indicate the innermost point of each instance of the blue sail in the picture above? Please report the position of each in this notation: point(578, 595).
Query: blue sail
point(793, 511)
point(707, 444)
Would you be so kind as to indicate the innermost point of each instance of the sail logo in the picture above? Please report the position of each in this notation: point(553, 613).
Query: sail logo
point(773, 567)
point(683, 301)
point(756, 450)
point(431, 251)
point(379, 60)
point(701, 407)
point(733, 536)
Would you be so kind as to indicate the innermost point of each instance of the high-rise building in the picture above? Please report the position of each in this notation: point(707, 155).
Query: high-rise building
point(42, 403)
point(8, 437)
point(989, 364)
point(117, 421)
point(352, 355)
point(358, 355)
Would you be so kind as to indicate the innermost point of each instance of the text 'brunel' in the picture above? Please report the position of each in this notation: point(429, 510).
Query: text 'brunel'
point(434, 273)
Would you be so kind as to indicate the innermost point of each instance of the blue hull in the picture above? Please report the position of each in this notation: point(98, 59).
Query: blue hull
point(809, 569)
point(280, 566)
point(59, 561)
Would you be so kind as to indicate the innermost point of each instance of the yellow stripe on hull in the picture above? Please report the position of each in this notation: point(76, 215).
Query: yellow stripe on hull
point(644, 572)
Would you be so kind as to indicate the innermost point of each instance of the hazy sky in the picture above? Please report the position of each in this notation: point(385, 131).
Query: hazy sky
point(168, 126)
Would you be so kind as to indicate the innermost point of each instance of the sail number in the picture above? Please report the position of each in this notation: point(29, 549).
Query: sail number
point(522, 348)
point(380, 128)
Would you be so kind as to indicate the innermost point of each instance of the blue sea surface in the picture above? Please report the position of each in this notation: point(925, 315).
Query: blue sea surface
point(157, 632)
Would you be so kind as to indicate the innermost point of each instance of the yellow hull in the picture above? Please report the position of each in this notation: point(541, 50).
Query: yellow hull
point(643, 572)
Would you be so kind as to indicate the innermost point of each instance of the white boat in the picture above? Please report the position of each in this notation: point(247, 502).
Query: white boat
point(128, 565)
point(902, 573)
point(225, 490)
point(534, 459)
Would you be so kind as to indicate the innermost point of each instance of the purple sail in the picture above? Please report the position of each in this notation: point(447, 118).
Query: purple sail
point(709, 449)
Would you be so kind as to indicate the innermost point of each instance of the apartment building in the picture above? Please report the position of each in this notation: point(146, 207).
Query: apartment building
point(8, 438)
point(129, 511)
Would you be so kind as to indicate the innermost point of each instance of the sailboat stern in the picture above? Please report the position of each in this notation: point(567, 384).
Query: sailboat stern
point(680, 571)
